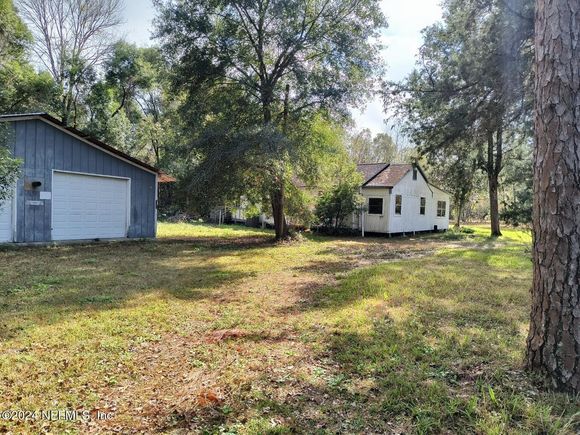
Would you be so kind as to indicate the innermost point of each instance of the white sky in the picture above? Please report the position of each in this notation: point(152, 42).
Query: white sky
point(401, 40)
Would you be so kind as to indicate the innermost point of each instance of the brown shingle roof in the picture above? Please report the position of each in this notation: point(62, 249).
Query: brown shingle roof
point(369, 170)
point(389, 176)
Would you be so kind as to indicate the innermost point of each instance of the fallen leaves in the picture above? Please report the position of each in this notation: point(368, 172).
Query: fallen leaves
point(224, 334)
point(207, 397)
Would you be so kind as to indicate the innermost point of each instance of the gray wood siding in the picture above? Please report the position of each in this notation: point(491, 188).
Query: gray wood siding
point(44, 148)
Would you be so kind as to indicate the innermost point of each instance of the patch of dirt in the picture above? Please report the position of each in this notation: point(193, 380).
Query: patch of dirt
point(224, 334)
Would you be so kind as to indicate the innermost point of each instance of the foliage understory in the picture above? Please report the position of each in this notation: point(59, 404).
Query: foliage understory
point(218, 330)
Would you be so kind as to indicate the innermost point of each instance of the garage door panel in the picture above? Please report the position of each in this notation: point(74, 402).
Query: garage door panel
point(89, 207)
point(5, 221)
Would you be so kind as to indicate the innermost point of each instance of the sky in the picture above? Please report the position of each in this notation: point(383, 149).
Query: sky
point(401, 40)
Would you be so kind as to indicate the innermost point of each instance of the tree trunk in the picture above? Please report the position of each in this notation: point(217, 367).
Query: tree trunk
point(64, 107)
point(277, 199)
point(459, 210)
point(493, 204)
point(267, 97)
point(278, 194)
point(493, 167)
point(553, 346)
point(120, 105)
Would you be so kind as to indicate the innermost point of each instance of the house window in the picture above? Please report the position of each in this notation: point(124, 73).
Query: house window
point(422, 205)
point(441, 207)
point(375, 205)
point(398, 204)
point(414, 173)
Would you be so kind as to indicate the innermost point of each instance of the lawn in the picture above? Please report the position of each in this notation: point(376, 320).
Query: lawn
point(218, 330)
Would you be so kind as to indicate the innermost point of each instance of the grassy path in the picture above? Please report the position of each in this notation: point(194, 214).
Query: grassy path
point(217, 330)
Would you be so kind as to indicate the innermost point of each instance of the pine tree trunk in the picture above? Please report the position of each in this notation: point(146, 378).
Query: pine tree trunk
point(553, 346)
point(494, 204)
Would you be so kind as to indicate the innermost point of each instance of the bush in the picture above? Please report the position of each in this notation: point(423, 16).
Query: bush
point(336, 204)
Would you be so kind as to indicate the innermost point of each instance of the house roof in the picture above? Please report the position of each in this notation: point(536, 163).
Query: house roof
point(383, 174)
point(165, 178)
point(52, 120)
point(389, 176)
point(369, 170)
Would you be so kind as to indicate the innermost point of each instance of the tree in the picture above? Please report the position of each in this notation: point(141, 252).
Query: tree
point(472, 85)
point(9, 166)
point(71, 38)
point(9, 171)
point(124, 73)
point(518, 188)
point(553, 346)
point(336, 204)
point(21, 88)
point(384, 148)
point(132, 107)
point(364, 148)
point(14, 36)
point(24, 90)
point(456, 171)
point(360, 146)
point(276, 61)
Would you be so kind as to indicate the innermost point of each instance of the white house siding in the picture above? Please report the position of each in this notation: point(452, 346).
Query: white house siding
point(411, 191)
point(410, 219)
point(375, 223)
point(441, 222)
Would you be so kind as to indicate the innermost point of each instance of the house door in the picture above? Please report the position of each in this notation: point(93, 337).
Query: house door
point(375, 216)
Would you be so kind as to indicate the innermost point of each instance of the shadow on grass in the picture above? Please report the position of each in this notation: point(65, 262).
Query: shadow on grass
point(44, 285)
point(429, 346)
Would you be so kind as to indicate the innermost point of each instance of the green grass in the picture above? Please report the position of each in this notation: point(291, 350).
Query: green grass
point(218, 330)
point(202, 230)
point(481, 233)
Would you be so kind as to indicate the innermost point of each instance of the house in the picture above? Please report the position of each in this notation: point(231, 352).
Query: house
point(399, 199)
point(73, 187)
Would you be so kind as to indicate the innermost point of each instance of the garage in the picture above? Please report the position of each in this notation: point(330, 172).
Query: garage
point(74, 187)
point(88, 206)
point(6, 221)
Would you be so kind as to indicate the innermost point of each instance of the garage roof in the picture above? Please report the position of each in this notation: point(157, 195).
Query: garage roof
point(73, 131)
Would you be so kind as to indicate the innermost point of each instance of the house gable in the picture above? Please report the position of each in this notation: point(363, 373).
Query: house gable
point(80, 136)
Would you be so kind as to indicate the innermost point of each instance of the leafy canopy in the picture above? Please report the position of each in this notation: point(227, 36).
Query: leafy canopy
point(260, 76)
point(470, 94)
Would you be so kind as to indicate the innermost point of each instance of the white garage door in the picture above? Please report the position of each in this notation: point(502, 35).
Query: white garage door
point(89, 207)
point(6, 221)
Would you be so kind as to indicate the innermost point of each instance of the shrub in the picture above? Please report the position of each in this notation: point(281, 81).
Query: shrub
point(336, 204)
